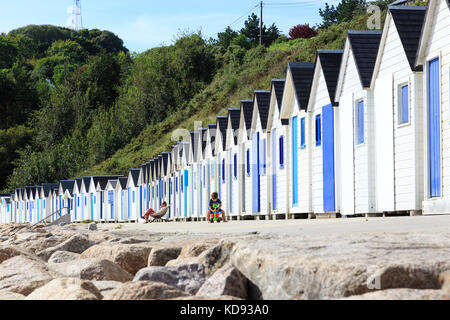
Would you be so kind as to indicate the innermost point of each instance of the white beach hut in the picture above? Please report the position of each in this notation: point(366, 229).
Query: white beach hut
point(234, 174)
point(132, 188)
point(323, 112)
point(356, 123)
point(221, 160)
point(434, 56)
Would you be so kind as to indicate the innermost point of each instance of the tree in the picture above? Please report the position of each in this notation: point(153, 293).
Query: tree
point(8, 52)
point(251, 31)
point(302, 31)
point(344, 11)
point(225, 38)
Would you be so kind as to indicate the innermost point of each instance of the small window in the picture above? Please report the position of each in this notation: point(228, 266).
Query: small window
point(302, 133)
point(235, 166)
point(133, 196)
point(281, 152)
point(318, 131)
point(248, 162)
point(263, 156)
point(403, 105)
point(360, 122)
point(223, 170)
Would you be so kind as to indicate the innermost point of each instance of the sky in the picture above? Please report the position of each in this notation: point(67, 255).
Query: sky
point(144, 24)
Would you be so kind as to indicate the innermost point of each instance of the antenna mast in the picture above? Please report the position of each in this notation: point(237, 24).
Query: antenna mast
point(77, 21)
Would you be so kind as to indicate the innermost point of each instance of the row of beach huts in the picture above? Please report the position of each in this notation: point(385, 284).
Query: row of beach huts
point(361, 131)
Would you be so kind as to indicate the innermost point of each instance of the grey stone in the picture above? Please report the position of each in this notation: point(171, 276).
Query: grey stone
point(143, 290)
point(92, 269)
point(77, 244)
point(160, 256)
point(92, 226)
point(188, 278)
point(227, 281)
point(63, 256)
point(341, 265)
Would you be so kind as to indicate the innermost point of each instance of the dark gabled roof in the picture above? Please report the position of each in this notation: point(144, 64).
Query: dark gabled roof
point(409, 21)
point(330, 60)
point(204, 132)
point(212, 129)
point(86, 181)
point(165, 158)
point(152, 167)
point(67, 184)
point(365, 49)
point(235, 117)
point(113, 183)
point(144, 172)
point(47, 187)
point(28, 191)
point(222, 122)
point(247, 109)
point(302, 76)
point(262, 97)
point(194, 143)
point(78, 182)
point(123, 182)
point(135, 175)
point(22, 192)
point(103, 180)
point(278, 86)
point(5, 195)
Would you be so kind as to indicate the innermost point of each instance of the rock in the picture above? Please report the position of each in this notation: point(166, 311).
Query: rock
point(399, 294)
point(10, 252)
point(160, 256)
point(66, 289)
point(194, 250)
point(209, 298)
point(76, 244)
point(188, 278)
point(41, 244)
point(227, 281)
point(141, 290)
point(92, 269)
point(212, 258)
point(130, 257)
point(444, 280)
point(23, 275)
point(4, 238)
point(63, 256)
point(341, 265)
point(105, 287)
point(92, 226)
point(216, 257)
point(8, 295)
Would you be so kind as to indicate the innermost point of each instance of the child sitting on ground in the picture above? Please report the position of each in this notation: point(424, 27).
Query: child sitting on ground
point(215, 206)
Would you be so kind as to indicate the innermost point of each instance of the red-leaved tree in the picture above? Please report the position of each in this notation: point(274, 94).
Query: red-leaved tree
point(302, 31)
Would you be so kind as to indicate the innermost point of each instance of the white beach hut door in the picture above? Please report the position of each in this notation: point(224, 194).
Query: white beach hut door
point(434, 127)
point(384, 140)
point(329, 204)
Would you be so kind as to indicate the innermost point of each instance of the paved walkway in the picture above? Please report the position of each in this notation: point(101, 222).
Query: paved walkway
point(427, 224)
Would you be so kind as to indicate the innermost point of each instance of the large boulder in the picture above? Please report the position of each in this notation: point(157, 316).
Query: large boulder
point(188, 277)
point(197, 248)
point(208, 298)
point(9, 252)
point(8, 295)
point(399, 294)
point(66, 289)
point(130, 257)
point(160, 256)
point(92, 269)
point(23, 275)
point(42, 243)
point(77, 244)
point(63, 256)
point(227, 281)
point(212, 259)
point(142, 290)
point(341, 265)
point(105, 287)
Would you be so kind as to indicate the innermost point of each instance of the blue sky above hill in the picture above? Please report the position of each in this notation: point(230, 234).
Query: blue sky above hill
point(144, 24)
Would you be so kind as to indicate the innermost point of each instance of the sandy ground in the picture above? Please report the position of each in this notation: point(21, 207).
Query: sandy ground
point(425, 224)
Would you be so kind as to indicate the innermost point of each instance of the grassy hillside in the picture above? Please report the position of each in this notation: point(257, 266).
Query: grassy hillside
point(242, 72)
